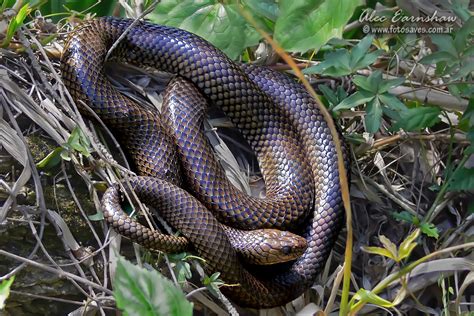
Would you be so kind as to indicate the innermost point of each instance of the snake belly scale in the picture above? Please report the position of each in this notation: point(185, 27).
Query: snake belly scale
point(276, 115)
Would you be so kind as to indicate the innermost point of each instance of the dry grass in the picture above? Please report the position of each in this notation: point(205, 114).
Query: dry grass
point(50, 238)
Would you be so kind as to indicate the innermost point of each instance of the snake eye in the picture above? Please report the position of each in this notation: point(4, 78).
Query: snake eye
point(286, 250)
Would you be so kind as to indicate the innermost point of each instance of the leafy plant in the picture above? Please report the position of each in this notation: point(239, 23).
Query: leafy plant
point(77, 141)
point(142, 292)
point(222, 23)
point(333, 97)
point(428, 229)
point(453, 58)
point(303, 25)
point(373, 91)
point(15, 24)
point(213, 283)
point(343, 62)
point(391, 251)
point(415, 119)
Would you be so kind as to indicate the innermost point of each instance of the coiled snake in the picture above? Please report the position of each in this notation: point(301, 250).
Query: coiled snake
point(276, 115)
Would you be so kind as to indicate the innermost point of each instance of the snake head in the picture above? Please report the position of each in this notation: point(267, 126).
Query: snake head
point(275, 246)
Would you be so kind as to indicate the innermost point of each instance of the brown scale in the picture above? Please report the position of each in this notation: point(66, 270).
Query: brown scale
point(276, 115)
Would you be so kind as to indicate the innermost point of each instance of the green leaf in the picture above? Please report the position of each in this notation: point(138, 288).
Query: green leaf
point(429, 230)
point(359, 57)
point(408, 245)
point(390, 246)
point(265, 8)
point(435, 58)
point(374, 80)
point(304, 25)
point(5, 290)
point(213, 282)
point(386, 85)
point(445, 43)
point(418, 118)
point(393, 106)
point(358, 98)
point(462, 35)
point(467, 118)
point(183, 271)
point(219, 23)
point(333, 97)
point(358, 52)
point(461, 9)
point(462, 180)
point(403, 216)
point(373, 116)
point(15, 24)
point(79, 142)
point(370, 298)
point(367, 60)
point(328, 94)
point(379, 251)
point(138, 291)
point(363, 83)
point(51, 160)
point(335, 64)
point(99, 216)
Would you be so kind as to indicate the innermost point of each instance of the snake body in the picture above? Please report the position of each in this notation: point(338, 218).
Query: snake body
point(279, 119)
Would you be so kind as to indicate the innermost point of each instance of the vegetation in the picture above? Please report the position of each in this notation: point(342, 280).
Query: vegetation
point(403, 98)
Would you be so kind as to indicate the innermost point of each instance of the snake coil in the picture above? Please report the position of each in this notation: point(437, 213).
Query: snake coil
point(276, 115)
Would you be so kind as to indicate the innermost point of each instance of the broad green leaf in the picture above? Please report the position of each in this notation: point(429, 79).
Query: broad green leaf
point(5, 290)
point(468, 115)
point(51, 160)
point(333, 97)
point(79, 142)
point(418, 118)
point(183, 270)
point(445, 43)
point(367, 60)
point(304, 25)
point(461, 9)
point(436, 57)
point(462, 35)
point(463, 71)
point(138, 291)
point(429, 229)
point(358, 98)
point(372, 298)
point(403, 216)
point(379, 251)
point(408, 245)
point(266, 8)
point(393, 106)
point(335, 64)
point(328, 94)
point(219, 23)
point(360, 50)
point(363, 83)
point(373, 116)
point(374, 80)
point(386, 85)
point(462, 180)
point(469, 51)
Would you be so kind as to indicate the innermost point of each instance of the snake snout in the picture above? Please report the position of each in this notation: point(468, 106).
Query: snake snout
point(281, 246)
